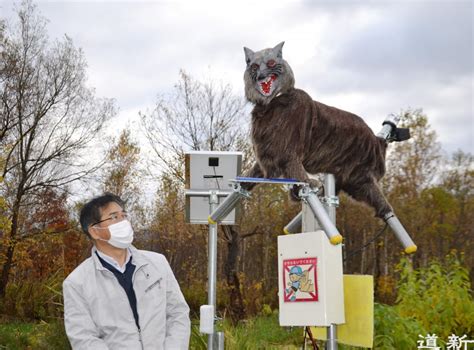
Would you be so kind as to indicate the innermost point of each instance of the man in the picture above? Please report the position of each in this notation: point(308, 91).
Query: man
point(122, 297)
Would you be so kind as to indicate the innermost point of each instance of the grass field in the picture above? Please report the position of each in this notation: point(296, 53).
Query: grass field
point(258, 333)
point(15, 335)
point(392, 332)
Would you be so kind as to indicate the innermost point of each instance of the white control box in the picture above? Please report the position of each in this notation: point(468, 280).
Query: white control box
point(206, 171)
point(206, 319)
point(310, 277)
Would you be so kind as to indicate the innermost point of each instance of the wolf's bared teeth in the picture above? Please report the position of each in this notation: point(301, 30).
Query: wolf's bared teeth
point(265, 86)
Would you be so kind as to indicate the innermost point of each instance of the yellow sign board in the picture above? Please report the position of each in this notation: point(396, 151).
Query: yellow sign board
point(359, 313)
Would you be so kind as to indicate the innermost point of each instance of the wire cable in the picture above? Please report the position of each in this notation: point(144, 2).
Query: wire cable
point(360, 249)
point(307, 332)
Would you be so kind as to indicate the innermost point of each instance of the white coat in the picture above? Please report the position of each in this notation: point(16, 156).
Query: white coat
point(98, 316)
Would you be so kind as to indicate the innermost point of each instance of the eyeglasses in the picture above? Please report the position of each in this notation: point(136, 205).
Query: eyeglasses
point(114, 218)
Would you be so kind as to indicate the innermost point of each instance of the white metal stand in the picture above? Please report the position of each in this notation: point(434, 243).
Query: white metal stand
point(215, 340)
point(331, 203)
point(212, 266)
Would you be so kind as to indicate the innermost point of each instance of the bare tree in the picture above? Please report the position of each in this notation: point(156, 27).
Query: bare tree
point(52, 118)
point(197, 116)
point(6, 122)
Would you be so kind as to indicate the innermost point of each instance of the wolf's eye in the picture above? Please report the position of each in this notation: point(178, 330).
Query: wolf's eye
point(271, 63)
point(254, 67)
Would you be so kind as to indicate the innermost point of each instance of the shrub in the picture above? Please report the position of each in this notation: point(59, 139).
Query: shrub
point(195, 295)
point(393, 331)
point(14, 335)
point(438, 296)
point(38, 336)
point(49, 336)
point(38, 300)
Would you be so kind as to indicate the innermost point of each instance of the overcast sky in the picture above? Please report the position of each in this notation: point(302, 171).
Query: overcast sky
point(372, 58)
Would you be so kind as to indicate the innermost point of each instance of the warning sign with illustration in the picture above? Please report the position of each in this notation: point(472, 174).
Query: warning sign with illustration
point(300, 280)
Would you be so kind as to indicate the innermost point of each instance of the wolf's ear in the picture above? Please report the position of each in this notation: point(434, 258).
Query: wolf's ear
point(248, 55)
point(277, 50)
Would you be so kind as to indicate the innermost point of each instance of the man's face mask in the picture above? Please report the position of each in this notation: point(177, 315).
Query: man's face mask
point(121, 234)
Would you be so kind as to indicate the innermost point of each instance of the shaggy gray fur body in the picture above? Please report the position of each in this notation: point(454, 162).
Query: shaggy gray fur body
point(293, 135)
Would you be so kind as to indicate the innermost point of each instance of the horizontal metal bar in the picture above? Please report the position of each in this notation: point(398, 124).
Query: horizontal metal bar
point(267, 181)
point(207, 193)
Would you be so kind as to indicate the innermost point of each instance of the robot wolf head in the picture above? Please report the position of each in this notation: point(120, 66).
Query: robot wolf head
point(267, 74)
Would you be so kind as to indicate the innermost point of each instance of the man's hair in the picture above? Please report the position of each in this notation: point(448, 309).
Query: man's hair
point(90, 212)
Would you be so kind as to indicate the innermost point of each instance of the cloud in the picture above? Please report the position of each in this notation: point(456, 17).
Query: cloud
point(372, 57)
point(379, 59)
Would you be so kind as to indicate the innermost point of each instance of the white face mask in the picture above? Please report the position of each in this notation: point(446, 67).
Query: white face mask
point(121, 234)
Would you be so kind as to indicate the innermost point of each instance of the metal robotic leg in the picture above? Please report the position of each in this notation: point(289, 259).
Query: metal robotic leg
point(310, 196)
point(294, 225)
point(228, 204)
point(401, 233)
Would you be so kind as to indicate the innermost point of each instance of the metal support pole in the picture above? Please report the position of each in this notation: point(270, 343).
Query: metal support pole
point(331, 334)
point(212, 265)
point(219, 340)
point(331, 203)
